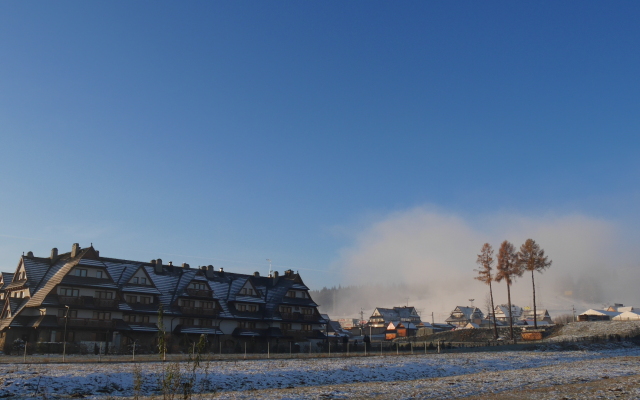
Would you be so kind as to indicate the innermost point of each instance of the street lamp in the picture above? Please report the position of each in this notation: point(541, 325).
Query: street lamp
point(64, 344)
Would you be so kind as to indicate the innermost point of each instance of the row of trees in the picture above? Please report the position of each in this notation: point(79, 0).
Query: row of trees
point(511, 265)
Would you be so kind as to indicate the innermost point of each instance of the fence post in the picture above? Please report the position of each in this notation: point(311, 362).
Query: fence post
point(347, 349)
point(411, 347)
point(268, 350)
point(289, 349)
point(397, 348)
point(245, 350)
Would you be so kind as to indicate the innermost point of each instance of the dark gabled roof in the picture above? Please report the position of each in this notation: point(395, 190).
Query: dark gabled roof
point(16, 284)
point(7, 277)
point(170, 283)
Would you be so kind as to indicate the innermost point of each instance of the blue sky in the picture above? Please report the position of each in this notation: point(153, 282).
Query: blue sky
point(227, 133)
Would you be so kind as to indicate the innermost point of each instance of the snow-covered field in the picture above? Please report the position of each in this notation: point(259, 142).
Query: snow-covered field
point(404, 376)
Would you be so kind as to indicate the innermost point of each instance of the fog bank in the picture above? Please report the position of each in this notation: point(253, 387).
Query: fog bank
point(429, 255)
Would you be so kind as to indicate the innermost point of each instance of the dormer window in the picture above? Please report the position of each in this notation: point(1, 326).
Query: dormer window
point(297, 293)
point(198, 286)
point(247, 292)
point(80, 272)
point(99, 274)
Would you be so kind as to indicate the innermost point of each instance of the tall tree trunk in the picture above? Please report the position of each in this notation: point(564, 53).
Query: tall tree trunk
point(510, 316)
point(535, 313)
point(493, 311)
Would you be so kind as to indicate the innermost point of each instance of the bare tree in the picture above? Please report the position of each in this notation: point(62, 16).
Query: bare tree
point(508, 270)
point(485, 260)
point(532, 258)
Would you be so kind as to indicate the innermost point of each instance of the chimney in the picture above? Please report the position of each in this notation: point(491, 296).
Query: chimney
point(158, 266)
point(256, 274)
point(275, 274)
point(30, 254)
point(54, 253)
point(221, 271)
point(209, 271)
point(171, 263)
point(75, 249)
point(185, 265)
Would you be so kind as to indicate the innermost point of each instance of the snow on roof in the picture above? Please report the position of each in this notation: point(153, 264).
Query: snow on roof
point(600, 312)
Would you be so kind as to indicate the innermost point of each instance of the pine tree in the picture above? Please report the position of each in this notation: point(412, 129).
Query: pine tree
point(485, 260)
point(508, 270)
point(531, 258)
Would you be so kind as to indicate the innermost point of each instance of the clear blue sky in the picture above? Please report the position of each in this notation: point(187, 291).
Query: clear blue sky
point(239, 131)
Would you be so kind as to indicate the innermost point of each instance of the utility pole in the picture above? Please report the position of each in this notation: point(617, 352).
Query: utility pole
point(432, 321)
point(573, 309)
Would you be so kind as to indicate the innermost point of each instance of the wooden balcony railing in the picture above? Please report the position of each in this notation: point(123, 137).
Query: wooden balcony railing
point(105, 303)
point(199, 311)
point(200, 293)
point(299, 316)
point(87, 322)
point(71, 301)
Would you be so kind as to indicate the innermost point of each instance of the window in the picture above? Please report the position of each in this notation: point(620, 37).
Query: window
point(206, 322)
point(143, 281)
point(69, 292)
point(80, 272)
point(285, 326)
point(247, 325)
point(129, 318)
point(291, 293)
point(186, 321)
point(188, 303)
point(104, 295)
point(143, 318)
point(145, 299)
point(135, 280)
point(198, 286)
point(241, 307)
point(101, 315)
point(208, 305)
point(99, 274)
point(284, 309)
point(306, 327)
point(306, 311)
point(131, 299)
point(247, 291)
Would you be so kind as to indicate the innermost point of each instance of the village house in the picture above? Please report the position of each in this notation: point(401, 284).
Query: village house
point(114, 303)
point(617, 312)
point(382, 317)
point(502, 314)
point(398, 329)
point(542, 317)
point(461, 316)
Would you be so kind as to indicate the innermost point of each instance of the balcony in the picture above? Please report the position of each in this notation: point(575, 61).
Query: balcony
point(71, 301)
point(299, 316)
point(87, 322)
point(199, 311)
point(105, 303)
point(200, 293)
point(87, 302)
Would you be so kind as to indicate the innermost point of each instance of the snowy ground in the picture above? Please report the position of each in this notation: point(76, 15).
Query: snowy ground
point(418, 376)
